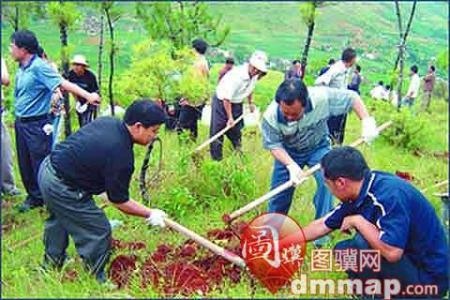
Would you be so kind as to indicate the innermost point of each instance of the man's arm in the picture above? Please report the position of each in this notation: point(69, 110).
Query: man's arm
point(5, 74)
point(316, 229)
point(92, 98)
point(359, 108)
point(282, 156)
point(372, 235)
point(227, 106)
point(133, 208)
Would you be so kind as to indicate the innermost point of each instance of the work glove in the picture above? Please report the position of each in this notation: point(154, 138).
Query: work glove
point(156, 218)
point(295, 173)
point(369, 129)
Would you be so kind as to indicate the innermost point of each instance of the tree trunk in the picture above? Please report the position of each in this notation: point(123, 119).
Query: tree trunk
point(308, 40)
point(16, 18)
point(100, 62)
point(400, 54)
point(408, 27)
point(111, 61)
point(65, 65)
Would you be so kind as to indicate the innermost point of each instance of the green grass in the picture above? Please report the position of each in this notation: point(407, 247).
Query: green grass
point(194, 196)
point(198, 196)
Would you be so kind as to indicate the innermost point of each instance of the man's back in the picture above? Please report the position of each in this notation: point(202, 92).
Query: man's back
point(409, 221)
point(98, 151)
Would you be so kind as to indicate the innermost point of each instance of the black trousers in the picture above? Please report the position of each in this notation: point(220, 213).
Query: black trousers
point(188, 119)
point(336, 126)
point(32, 145)
point(219, 121)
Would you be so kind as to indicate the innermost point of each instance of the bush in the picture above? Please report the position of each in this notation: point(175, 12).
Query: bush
point(407, 130)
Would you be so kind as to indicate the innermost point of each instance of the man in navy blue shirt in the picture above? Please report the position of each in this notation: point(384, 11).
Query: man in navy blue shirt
point(389, 215)
point(35, 84)
point(97, 158)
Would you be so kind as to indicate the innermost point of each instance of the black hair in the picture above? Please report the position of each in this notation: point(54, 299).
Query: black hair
point(358, 67)
point(230, 60)
point(144, 111)
point(40, 52)
point(380, 82)
point(345, 162)
point(292, 90)
point(348, 54)
point(388, 87)
point(200, 46)
point(331, 61)
point(432, 68)
point(295, 61)
point(415, 69)
point(25, 39)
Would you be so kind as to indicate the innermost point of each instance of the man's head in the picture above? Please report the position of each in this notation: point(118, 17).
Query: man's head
point(331, 61)
point(143, 119)
point(23, 44)
point(349, 57)
point(414, 69)
point(79, 64)
point(380, 83)
point(257, 63)
point(297, 64)
point(229, 61)
point(344, 169)
point(292, 96)
point(358, 68)
point(431, 69)
point(200, 46)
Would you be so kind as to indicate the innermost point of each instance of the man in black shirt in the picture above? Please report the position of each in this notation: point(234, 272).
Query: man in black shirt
point(84, 78)
point(97, 158)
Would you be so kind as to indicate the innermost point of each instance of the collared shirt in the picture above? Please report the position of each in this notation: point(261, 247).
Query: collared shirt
point(414, 86)
point(236, 84)
point(34, 87)
point(404, 218)
point(86, 81)
point(307, 133)
point(99, 157)
point(335, 76)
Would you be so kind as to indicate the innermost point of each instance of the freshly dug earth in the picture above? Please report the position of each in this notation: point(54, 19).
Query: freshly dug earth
point(184, 270)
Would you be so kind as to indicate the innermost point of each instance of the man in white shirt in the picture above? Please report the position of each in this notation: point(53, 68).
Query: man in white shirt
point(336, 77)
point(413, 89)
point(233, 88)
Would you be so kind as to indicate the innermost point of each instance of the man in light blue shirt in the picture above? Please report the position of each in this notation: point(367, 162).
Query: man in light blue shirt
point(35, 83)
point(295, 131)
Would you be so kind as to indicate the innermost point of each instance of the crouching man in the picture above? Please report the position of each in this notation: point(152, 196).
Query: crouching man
point(389, 215)
point(97, 158)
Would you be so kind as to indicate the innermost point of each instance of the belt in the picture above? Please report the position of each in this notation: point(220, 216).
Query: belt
point(32, 118)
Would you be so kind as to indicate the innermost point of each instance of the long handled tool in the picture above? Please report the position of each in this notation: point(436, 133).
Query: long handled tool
point(219, 134)
point(230, 256)
point(243, 210)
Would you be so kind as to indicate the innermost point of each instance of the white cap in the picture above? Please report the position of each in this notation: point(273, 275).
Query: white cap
point(80, 60)
point(259, 60)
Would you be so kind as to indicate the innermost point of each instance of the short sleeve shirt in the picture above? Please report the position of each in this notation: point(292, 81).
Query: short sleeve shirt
point(404, 217)
point(34, 86)
point(97, 158)
point(87, 81)
point(236, 84)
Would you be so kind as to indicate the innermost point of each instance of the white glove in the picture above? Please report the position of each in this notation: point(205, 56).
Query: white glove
point(295, 173)
point(81, 108)
point(156, 218)
point(369, 129)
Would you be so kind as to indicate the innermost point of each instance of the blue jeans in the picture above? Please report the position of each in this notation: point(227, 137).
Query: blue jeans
point(323, 200)
point(404, 270)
